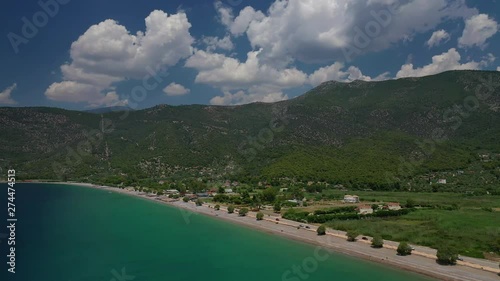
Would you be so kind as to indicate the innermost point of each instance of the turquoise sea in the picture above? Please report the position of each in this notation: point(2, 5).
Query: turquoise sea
point(70, 233)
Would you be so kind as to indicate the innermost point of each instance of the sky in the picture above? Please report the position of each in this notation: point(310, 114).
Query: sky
point(81, 55)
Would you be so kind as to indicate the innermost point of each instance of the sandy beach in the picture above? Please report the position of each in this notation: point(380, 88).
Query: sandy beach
point(422, 260)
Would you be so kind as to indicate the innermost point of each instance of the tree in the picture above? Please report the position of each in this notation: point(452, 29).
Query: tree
point(374, 207)
point(404, 249)
point(321, 230)
point(230, 209)
point(243, 212)
point(351, 235)
point(185, 199)
point(377, 242)
point(447, 255)
point(221, 190)
point(217, 207)
point(260, 216)
point(277, 207)
point(199, 202)
point(256, 202)
point(296, 192)
point(269, 194)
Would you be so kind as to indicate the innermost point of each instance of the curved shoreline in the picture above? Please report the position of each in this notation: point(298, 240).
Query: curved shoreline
point(421, 263)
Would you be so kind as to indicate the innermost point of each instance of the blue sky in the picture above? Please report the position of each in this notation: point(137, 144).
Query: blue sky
point(86, 54)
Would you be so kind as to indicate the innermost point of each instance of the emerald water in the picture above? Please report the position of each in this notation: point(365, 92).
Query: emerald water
point(70, 233)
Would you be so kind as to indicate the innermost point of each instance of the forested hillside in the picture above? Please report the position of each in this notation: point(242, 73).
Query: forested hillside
point(377, 135)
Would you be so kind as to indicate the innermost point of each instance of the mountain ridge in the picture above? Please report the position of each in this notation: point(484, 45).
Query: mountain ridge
point(358, 130)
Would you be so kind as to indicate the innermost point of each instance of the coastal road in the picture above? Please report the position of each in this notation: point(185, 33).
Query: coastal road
point(427, 252)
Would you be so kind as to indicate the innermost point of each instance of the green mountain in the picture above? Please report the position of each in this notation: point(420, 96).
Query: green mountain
point(378, 135)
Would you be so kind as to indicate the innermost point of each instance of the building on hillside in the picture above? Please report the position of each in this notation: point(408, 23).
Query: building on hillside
point(393, 206)
point(364, 209)
point(172, 191)
point(442, 181)
point(212, 191)
point(191, 196)
point(228, 190)
point(351, 199)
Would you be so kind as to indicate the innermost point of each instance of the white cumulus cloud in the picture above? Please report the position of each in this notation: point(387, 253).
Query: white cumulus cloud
point(449, 60)
point(243, 82)
point(324, 30)
point(72, 91)
point(478, 29)
point(174, 89)
point(214, 43)
point(229, 73)
point(335, 72)
point(108, 53)
point(239, 25)
point(5, 95)
point(437, 38)
point(266, 94)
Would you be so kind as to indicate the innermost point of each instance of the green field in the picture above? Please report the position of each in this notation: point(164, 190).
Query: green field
point(471, 231)
point(420, 198)
point(472, 227)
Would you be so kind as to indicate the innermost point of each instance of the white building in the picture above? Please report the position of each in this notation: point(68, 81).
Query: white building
point(364, 209)
point(351, 199)
point(393, 206)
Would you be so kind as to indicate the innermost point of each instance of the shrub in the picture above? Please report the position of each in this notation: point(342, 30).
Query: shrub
point(243, 212)
point(185, 199)
point(404, 249)
point(351, 235)
point(410, 203)
point(260, 216)
point(277, 207)
point(230, 209)
point(321, 230)
point(377, 242)
point(337, 210)
point(217, 207)
point(199, 202)
point(447, 255)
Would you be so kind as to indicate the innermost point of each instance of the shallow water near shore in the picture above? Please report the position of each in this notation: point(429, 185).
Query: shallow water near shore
point(74, 233)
